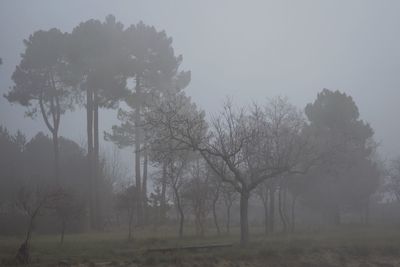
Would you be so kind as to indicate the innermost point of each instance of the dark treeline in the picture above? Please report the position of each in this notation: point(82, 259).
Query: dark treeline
point(300, 167)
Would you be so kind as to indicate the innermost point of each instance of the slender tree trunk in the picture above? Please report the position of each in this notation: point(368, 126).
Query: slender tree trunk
point(266, 219)
point(216, 219)
point(244, 219)
point(144, 187)
point(214, 207)
point(281, 211)
point(55, 111)
point(29, 232)
point(163, 203)
point(293, 212)
point(285, 207)
point(266, 213)
point(138, 142)
point(202, 224)
point(228, 219)
point(55, 114)
point(23, 254)
point(96, 165)
point(89, 128)
point(181, 221)
point(180, 212)
point(56, 149)
point(264, 198)
point(138, 185)
point(271, 209)
point(199, 223)
point(130, 224)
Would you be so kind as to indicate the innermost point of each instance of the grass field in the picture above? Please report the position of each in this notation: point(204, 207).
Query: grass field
point(347, 246)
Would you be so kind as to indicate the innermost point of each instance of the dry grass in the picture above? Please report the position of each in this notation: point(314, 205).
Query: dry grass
point(347, 246)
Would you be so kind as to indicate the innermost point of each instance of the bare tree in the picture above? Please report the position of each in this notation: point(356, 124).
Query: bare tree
point(126, 201)
point(176, 167)
point(198, 193)
point(68, 208)
point(32, 202)
point(159, 197)
point(253, 145)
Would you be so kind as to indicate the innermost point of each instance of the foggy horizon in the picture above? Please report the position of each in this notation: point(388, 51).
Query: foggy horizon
point(259, 50)
point(200, 133)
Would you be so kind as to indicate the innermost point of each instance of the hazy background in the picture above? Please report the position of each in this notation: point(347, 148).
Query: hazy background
point(250, 50)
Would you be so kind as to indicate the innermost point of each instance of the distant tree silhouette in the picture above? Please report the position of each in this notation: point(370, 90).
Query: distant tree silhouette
point(98, 62)
point(347, 175)
point(154, 69)
point(394, 174)
point(12, 147)
point(41, 82)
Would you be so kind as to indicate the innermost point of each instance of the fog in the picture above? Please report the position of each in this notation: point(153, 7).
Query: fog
point(199, 133)
point(250, 51)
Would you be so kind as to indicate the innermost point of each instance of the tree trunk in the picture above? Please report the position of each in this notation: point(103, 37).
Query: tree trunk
point(138, 142)
point(244, 219)
point(56, 149)
point(285, 207)
point(228, 219)
point(29, 231)
point(23, 255)
point(180, 212)
point(214, 207)
point(181, 221)
point(199, 222)
point(89, 128)
point(138, 185)
point(265, 202)
point(293, 217)
point(130, 224)
point(163, 194)
point(144, 187)
point(281, 211)
point(96, 165)
point(55, 114)
point(271, 209)
point(137, 166)
point(266, 217)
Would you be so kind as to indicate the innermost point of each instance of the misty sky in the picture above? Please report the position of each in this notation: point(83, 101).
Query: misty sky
point(249, 50)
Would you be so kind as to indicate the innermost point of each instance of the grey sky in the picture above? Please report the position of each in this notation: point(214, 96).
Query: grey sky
point(250, 50)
